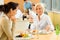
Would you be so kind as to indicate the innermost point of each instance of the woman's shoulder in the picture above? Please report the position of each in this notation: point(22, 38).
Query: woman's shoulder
point(3, 18)
point(47, 16)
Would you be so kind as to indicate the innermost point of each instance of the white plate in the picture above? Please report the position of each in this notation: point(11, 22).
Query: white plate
point(44, 32)
point(21, 38)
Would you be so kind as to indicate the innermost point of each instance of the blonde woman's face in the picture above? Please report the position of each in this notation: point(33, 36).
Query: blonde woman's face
point(39, 10)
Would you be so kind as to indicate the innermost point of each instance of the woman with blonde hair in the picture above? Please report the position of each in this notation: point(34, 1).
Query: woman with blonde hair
point(43, 20)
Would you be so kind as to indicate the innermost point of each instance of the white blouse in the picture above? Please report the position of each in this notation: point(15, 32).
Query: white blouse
point(44, 21)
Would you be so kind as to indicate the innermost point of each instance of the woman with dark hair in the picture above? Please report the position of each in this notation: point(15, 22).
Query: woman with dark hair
point(1, 10)
point(7, 22)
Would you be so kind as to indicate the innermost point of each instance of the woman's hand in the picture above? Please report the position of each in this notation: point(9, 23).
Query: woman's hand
point(30, 19)
point(13, 19)
point(10, 39)
point(47, 27)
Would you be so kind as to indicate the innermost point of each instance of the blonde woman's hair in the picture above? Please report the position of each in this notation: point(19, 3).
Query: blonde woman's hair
point(41, 4)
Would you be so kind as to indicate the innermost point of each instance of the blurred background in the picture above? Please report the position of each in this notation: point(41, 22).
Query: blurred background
point(52, 8)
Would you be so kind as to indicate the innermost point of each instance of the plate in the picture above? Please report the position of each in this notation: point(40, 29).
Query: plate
point(23, 38)
point(44, 32)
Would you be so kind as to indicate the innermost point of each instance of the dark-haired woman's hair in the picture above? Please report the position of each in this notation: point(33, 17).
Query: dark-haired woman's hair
point(8, 6)
point(1, 8)
point(24, 0)
point(33, 4)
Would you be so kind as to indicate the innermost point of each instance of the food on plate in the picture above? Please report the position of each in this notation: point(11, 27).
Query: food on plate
point(23, 35)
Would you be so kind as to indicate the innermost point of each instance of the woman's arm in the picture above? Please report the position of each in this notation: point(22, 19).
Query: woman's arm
point(13, 24)
point(6, 28)
point(50, 25)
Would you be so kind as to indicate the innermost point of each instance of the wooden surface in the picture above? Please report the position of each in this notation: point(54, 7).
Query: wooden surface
point(51, 36)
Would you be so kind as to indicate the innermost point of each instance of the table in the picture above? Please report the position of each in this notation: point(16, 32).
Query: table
point(50, 36)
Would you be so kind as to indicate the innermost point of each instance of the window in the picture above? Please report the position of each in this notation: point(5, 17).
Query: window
point(53, 5)
point(1, 2)
point(47, 3)
point(58, 5)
